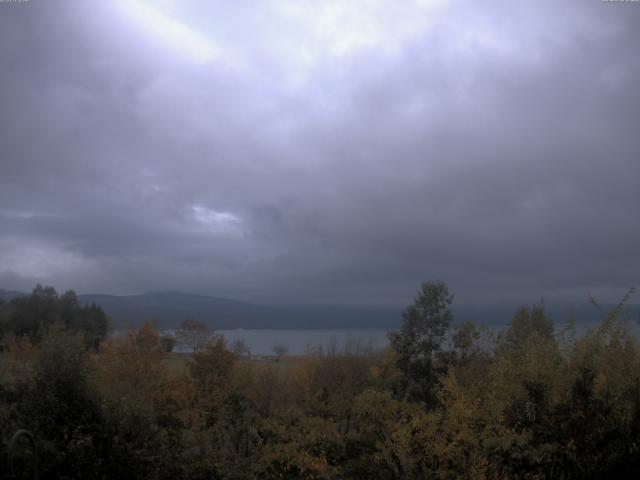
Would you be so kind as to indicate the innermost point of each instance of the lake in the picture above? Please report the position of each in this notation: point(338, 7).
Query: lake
point(261, 341)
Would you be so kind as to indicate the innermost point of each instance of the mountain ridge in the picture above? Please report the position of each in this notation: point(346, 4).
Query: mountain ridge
point(168, 309)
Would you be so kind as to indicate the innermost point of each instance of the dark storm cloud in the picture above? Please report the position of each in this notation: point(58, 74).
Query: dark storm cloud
point(496, 149)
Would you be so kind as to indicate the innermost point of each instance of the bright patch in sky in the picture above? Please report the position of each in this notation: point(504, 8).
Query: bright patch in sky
point(215, 220)
point(300, 33)
point(171, 32)
point(340, 27)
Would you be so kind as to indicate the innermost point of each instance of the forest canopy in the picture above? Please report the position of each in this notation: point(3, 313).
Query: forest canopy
point(445, 400)
point(33, 315)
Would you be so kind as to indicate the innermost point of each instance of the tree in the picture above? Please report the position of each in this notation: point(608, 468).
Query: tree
point(525, 324)
point(193, 334)
point(34, 315)
point(464, 339)
point(168, 342)
point(280, 351)
point(240, 348)
point(57, 404)
point(142, 405)
point(210, 369)
point(418, 345)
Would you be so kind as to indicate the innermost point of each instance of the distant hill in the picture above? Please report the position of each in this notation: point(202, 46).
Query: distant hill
point(168, 309)
point(7, 295)
point(560, 312)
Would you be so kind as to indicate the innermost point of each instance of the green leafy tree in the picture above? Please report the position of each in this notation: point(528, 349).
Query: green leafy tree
point(418, 344)
point(465, 339)
point(526, 323)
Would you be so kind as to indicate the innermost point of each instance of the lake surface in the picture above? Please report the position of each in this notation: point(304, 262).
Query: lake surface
point(298, 342)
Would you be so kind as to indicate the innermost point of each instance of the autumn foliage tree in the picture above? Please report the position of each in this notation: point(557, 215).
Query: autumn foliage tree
point(193, 335)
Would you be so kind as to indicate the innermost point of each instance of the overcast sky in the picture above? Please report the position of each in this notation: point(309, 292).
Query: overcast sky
point(323, 152)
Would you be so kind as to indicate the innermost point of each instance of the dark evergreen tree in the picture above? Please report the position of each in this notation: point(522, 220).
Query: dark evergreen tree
point(32, 316)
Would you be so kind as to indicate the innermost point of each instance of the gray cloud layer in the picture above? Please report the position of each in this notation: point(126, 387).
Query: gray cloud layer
point(494, 146)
